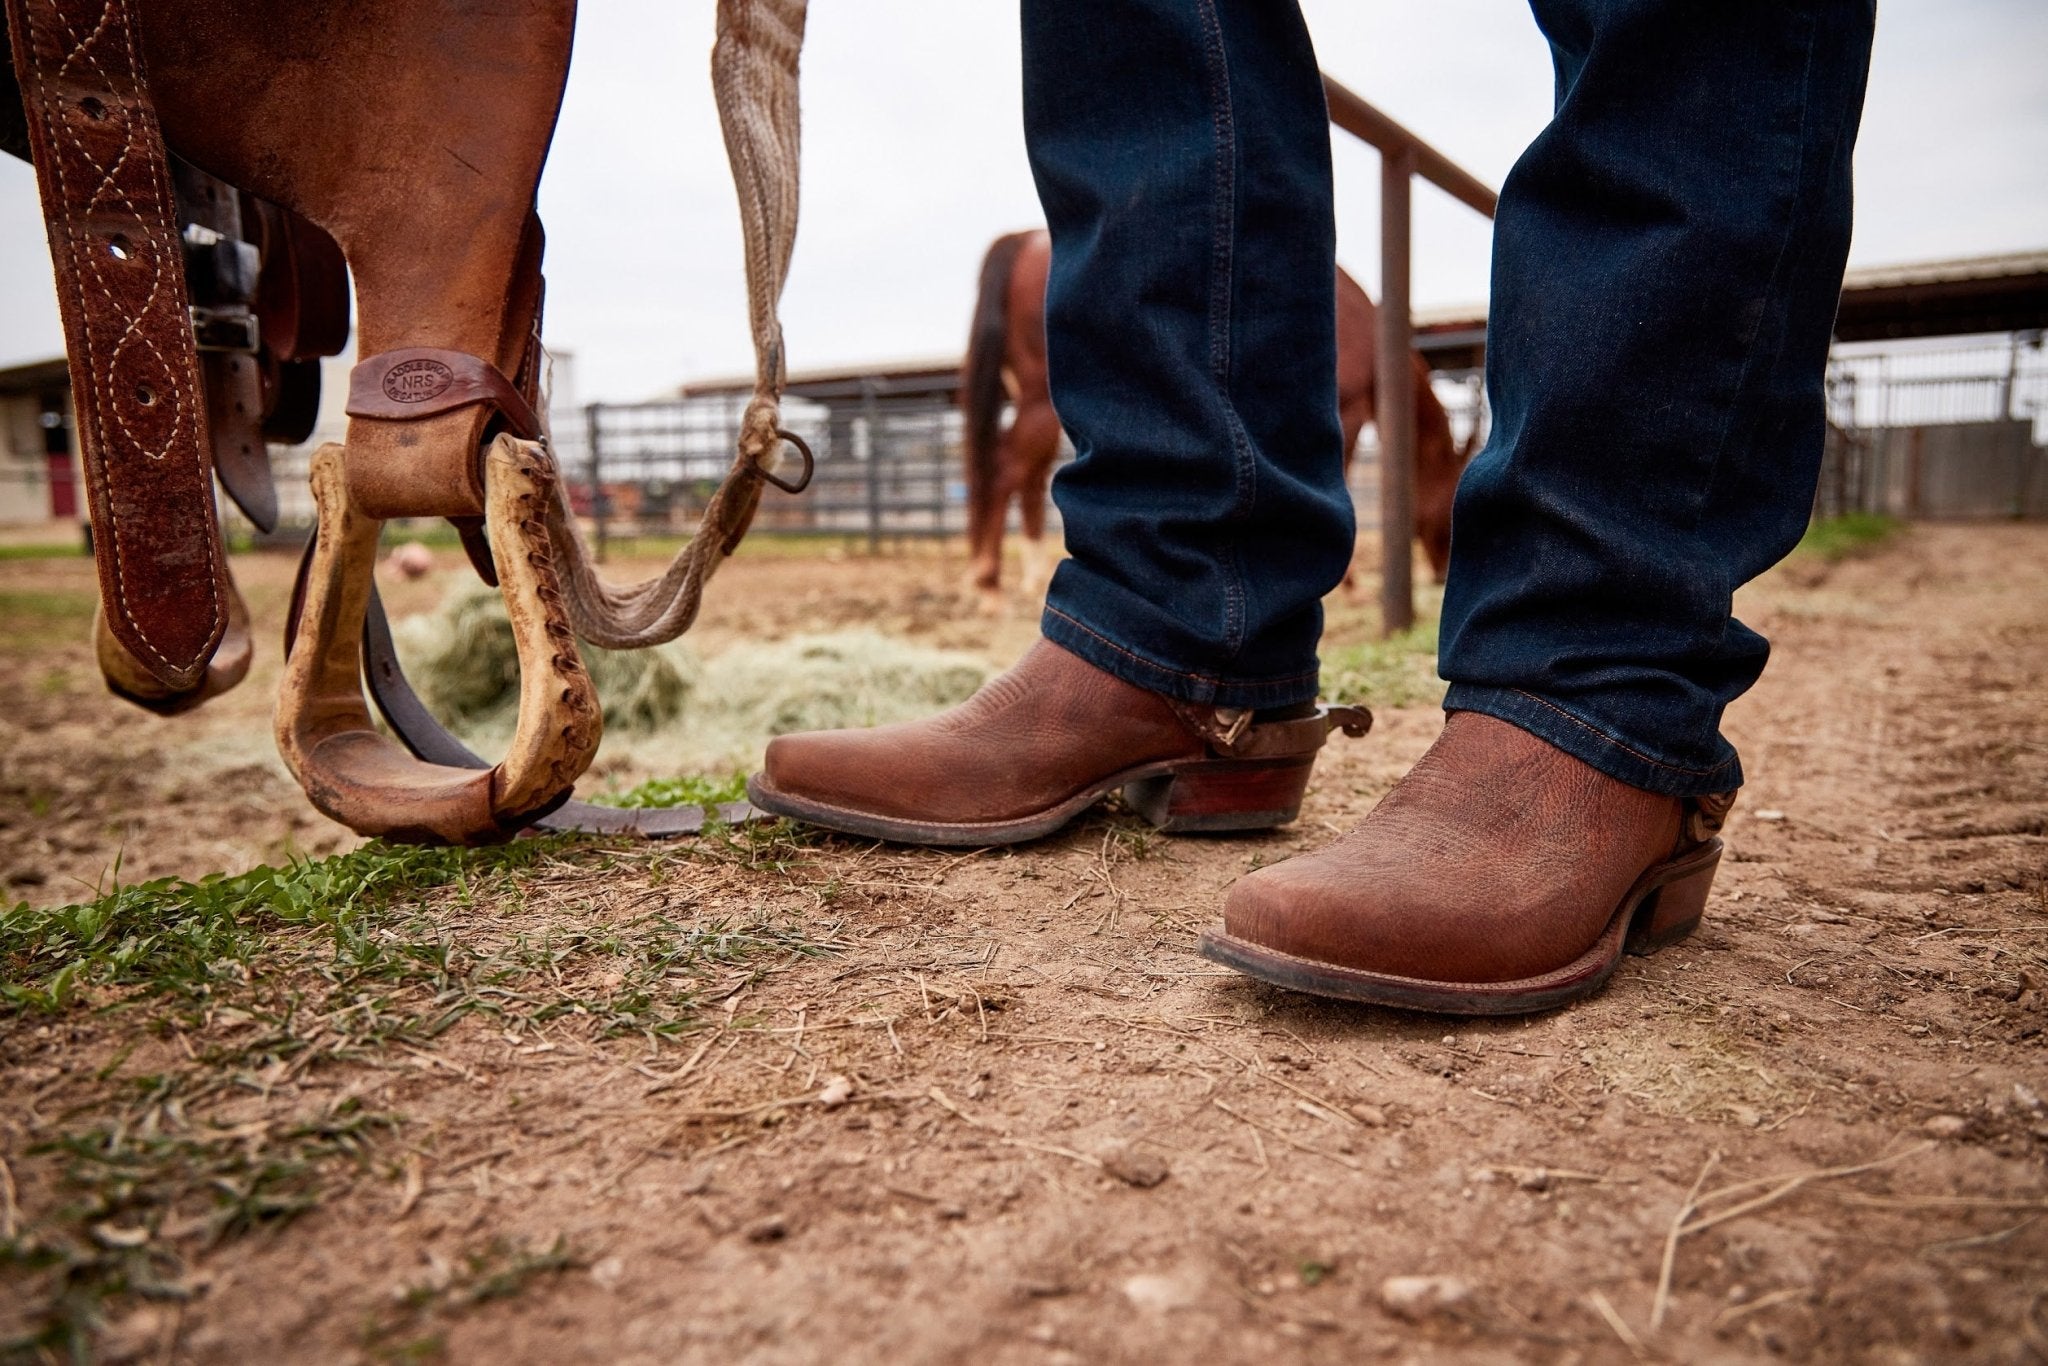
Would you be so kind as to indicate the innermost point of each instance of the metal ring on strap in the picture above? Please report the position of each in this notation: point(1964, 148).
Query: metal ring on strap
point(802, 481)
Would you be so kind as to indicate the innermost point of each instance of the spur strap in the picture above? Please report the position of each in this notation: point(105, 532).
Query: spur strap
point(110, 212)
point(1234, 733)
point(422, 381)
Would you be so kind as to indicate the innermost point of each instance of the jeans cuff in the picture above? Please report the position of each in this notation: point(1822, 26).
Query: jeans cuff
point(1104, 653)
point(1595, 742)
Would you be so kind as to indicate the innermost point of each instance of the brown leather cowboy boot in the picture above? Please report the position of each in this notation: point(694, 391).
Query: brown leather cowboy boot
point(1039, 745)
point(1500, 876)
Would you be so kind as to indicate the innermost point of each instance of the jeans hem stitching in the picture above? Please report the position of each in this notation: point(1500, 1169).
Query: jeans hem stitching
point(1208, 679)
point(1619, 744)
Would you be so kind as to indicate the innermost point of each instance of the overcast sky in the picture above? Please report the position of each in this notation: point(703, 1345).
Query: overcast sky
point(914, 160)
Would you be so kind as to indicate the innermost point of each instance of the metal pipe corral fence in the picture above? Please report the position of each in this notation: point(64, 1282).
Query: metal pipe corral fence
point(1403, 156)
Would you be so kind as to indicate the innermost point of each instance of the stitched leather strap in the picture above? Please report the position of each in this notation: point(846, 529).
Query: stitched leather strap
point(420, 381)
point(110, 213)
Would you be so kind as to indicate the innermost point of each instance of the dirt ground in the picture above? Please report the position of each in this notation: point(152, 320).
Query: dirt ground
point(934, 1106)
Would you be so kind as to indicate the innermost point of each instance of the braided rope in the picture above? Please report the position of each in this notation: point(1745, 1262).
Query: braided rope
point(754, 74)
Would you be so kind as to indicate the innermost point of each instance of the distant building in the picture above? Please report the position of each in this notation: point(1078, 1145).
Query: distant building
point(39, 476)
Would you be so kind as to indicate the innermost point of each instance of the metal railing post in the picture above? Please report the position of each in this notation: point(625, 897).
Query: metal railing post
point(871, 415)
point(1395, 407)
point(1403, 156)
point(590, 427)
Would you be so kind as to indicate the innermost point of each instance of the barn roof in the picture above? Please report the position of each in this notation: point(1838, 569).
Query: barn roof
point(2007, 293)
point(35, 377)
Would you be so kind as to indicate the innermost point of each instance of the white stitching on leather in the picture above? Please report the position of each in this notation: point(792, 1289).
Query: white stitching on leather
point(84, 259)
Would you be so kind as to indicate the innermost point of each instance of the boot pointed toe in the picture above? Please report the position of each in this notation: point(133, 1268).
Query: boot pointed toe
point(1501, 876)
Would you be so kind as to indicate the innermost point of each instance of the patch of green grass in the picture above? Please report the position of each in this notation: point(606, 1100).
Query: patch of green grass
point(180, 938)
point(362, 939)
point(45, 550)
point(1399, 671)
point(143, 1189)
point(1836, 538)
point(688, 790)
point(32, 618)
point(276, 971)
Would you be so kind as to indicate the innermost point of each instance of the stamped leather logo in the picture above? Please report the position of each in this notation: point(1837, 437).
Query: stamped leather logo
point(416, 381)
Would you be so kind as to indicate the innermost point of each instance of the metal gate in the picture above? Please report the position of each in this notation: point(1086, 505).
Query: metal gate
point(1919, 430)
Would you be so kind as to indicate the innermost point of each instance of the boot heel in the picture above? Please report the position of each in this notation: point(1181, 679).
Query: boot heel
point(1671, 910)
point(1220, 795)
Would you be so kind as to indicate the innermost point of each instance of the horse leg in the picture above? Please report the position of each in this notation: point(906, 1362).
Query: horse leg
point(987, 568)
point(1438, 463)
point(1036, 444)
point(985, 542)
point(1433, 509)
point(1353, 412)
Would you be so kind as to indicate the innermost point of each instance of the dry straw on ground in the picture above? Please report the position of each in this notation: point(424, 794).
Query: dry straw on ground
point(670, 709)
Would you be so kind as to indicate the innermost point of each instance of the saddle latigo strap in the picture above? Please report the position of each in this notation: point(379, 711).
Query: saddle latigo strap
point(110, 213)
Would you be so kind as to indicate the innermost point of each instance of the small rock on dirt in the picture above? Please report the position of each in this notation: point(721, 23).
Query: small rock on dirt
point(1159, 1294)
point(837, 1091)
point(1945, 1126)
point(1135, 1166)
point(1371, 1116)
point(1415, 1298)
point(772, 1229)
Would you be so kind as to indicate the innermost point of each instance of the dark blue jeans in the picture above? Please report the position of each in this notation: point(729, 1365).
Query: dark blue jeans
point(1667, 259)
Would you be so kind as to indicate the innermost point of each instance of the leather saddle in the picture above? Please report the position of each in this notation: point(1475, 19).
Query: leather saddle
point(206, 167)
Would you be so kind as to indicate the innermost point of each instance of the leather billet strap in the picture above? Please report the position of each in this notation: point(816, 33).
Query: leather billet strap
point(111, 216)
point(422, 381)
point(324, 731)
point(127, 679)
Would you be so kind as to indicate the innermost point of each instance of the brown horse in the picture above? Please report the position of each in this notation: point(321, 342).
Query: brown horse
point(1006, 359)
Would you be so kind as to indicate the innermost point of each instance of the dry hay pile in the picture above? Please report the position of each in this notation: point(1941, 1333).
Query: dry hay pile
point(667, 708)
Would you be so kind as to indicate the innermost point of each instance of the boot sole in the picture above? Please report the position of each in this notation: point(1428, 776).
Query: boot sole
point(1663, 907)
point(1180, 796)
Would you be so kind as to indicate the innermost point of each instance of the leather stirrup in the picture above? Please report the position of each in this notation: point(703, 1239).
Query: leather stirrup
point(364, 780)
